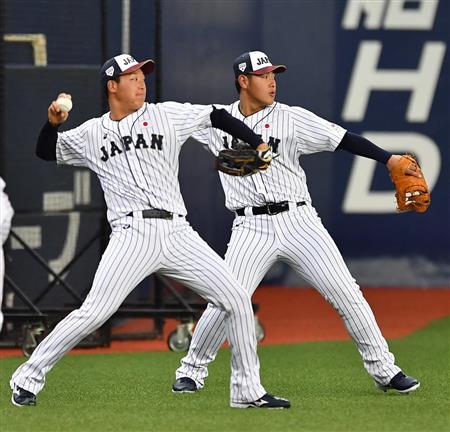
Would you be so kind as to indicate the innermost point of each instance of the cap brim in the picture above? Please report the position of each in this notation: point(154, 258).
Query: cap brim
point(273, 68)
point(147, 67)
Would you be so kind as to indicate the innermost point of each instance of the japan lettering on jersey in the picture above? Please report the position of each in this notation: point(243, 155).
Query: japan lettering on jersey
point(291, 132)
point(136, 158)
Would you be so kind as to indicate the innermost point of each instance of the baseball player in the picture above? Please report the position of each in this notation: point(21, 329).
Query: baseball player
point(6, 214)
point(275, 221)
point(134, 151)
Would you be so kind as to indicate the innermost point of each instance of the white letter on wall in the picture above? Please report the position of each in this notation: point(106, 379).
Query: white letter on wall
point(366, 78)
point(421, 18)
point(356, 9)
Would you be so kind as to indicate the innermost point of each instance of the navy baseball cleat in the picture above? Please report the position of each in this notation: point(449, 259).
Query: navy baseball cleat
point(184, 385)
point(22, 397)
point(401, 383)
point(267, 401)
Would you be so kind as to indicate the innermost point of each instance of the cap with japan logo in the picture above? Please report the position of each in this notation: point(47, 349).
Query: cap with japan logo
point(255, 63)
point(124, 64)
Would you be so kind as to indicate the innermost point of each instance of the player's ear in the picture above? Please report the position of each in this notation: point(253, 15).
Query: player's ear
point(243, 81)
point(111, 86)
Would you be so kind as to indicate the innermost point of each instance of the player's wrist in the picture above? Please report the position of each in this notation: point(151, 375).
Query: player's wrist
point(265, 154)
point(53, 123)
point(392, 161)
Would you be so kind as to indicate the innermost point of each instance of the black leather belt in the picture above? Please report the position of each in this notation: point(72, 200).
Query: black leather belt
point(154, 214)
point(270, 209)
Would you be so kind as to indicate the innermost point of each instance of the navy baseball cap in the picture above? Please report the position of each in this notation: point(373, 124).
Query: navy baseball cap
point(255, 63)
point(124, 64)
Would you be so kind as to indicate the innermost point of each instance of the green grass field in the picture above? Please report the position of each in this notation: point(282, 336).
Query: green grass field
point(325, 382)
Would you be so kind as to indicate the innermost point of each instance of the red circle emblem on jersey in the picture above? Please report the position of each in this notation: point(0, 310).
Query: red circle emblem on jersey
point(145, 123)
point(267, 125)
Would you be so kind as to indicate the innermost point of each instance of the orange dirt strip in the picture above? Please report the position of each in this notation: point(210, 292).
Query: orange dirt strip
point(291, 315)
point(300, 315)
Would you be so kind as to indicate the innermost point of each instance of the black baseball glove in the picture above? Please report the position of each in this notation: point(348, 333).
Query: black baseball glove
point(244, 161)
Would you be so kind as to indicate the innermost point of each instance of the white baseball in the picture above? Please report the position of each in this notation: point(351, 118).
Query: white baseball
point(64, 104)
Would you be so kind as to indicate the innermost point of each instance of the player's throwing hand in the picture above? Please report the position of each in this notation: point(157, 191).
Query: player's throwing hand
point(56, 115)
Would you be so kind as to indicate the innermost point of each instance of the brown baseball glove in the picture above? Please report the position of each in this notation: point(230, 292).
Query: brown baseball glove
point(412, 193)
point(243, 162)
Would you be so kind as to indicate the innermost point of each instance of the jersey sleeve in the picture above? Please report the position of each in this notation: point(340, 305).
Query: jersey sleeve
point(208, 137)
point(313, 133)
point(188, 118)
point(71, 145)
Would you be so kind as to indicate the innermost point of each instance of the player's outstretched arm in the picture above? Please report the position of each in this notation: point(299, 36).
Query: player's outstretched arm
point(360, 146)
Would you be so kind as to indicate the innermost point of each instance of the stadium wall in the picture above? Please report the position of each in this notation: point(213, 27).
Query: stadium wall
point(338, 54)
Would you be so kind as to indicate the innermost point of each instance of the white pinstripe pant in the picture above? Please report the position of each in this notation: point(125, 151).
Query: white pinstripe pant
point(298, 238)
point(137, 248)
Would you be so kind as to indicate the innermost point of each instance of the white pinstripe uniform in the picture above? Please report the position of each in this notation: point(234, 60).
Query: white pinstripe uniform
point(136, 160)
point(6, 214)
point(296, 237)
